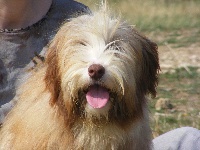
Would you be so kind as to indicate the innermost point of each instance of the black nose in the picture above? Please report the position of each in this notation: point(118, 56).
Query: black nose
point(96, 71)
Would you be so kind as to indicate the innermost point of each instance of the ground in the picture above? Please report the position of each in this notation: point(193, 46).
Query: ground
point(177, 51)
point(179, 83)
point(171, 58)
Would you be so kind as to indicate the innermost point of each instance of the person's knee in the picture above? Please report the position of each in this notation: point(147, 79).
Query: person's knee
point(178, 139)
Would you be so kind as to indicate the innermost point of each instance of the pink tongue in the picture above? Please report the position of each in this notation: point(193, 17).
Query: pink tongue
point(97, 96)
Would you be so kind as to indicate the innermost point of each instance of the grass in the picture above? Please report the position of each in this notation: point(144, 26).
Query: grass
point(152, 15)
point(181, 38)
point(175, 22)
point(183, 90)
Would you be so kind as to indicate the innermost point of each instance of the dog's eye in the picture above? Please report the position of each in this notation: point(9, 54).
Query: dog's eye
point(118, 49)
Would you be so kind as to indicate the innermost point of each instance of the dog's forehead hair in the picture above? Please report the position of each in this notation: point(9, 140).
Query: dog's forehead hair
point(99, 35)
point(99, 24)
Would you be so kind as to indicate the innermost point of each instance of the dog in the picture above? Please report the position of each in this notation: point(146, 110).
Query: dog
point(91, 91)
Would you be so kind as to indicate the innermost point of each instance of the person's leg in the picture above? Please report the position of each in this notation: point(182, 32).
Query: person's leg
point(185, 138)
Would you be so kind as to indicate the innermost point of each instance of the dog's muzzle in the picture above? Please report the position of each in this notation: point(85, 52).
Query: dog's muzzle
point(97, 96)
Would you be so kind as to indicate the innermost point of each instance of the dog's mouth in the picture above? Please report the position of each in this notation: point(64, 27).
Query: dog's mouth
point(99, 102)
point(97, 96)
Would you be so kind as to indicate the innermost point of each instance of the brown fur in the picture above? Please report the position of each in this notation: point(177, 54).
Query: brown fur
point(51, 111)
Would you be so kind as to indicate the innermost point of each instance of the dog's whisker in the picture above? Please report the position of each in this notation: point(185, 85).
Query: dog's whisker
point(109, 44)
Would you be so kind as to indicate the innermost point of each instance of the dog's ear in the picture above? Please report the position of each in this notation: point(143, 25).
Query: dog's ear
point(52, 77)
point(150, 67)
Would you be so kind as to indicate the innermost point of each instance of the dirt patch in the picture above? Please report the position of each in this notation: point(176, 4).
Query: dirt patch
point(171, 58)
point(178, 48)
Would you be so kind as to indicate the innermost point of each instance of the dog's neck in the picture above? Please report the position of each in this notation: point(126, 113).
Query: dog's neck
point(106, 137)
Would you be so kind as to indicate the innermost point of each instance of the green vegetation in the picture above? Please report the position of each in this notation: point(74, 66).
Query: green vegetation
point(183, 91)
point(151, 15)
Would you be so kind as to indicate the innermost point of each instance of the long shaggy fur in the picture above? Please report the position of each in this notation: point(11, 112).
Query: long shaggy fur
point(52, 111)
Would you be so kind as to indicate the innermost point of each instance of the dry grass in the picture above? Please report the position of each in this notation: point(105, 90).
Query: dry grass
point(151, 15)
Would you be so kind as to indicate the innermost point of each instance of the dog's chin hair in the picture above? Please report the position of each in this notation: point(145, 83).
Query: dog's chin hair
point(92, 129)
point(114, 111)
point(97, 113)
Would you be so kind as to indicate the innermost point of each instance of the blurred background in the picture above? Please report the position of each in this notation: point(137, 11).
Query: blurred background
point(175, 26)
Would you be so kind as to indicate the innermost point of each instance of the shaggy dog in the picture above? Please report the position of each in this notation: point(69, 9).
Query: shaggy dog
point(90, 93)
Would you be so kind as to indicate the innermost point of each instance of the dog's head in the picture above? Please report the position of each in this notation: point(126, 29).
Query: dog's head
point(100, 67)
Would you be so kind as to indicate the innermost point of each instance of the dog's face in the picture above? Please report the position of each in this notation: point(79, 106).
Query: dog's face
point(100, 68)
